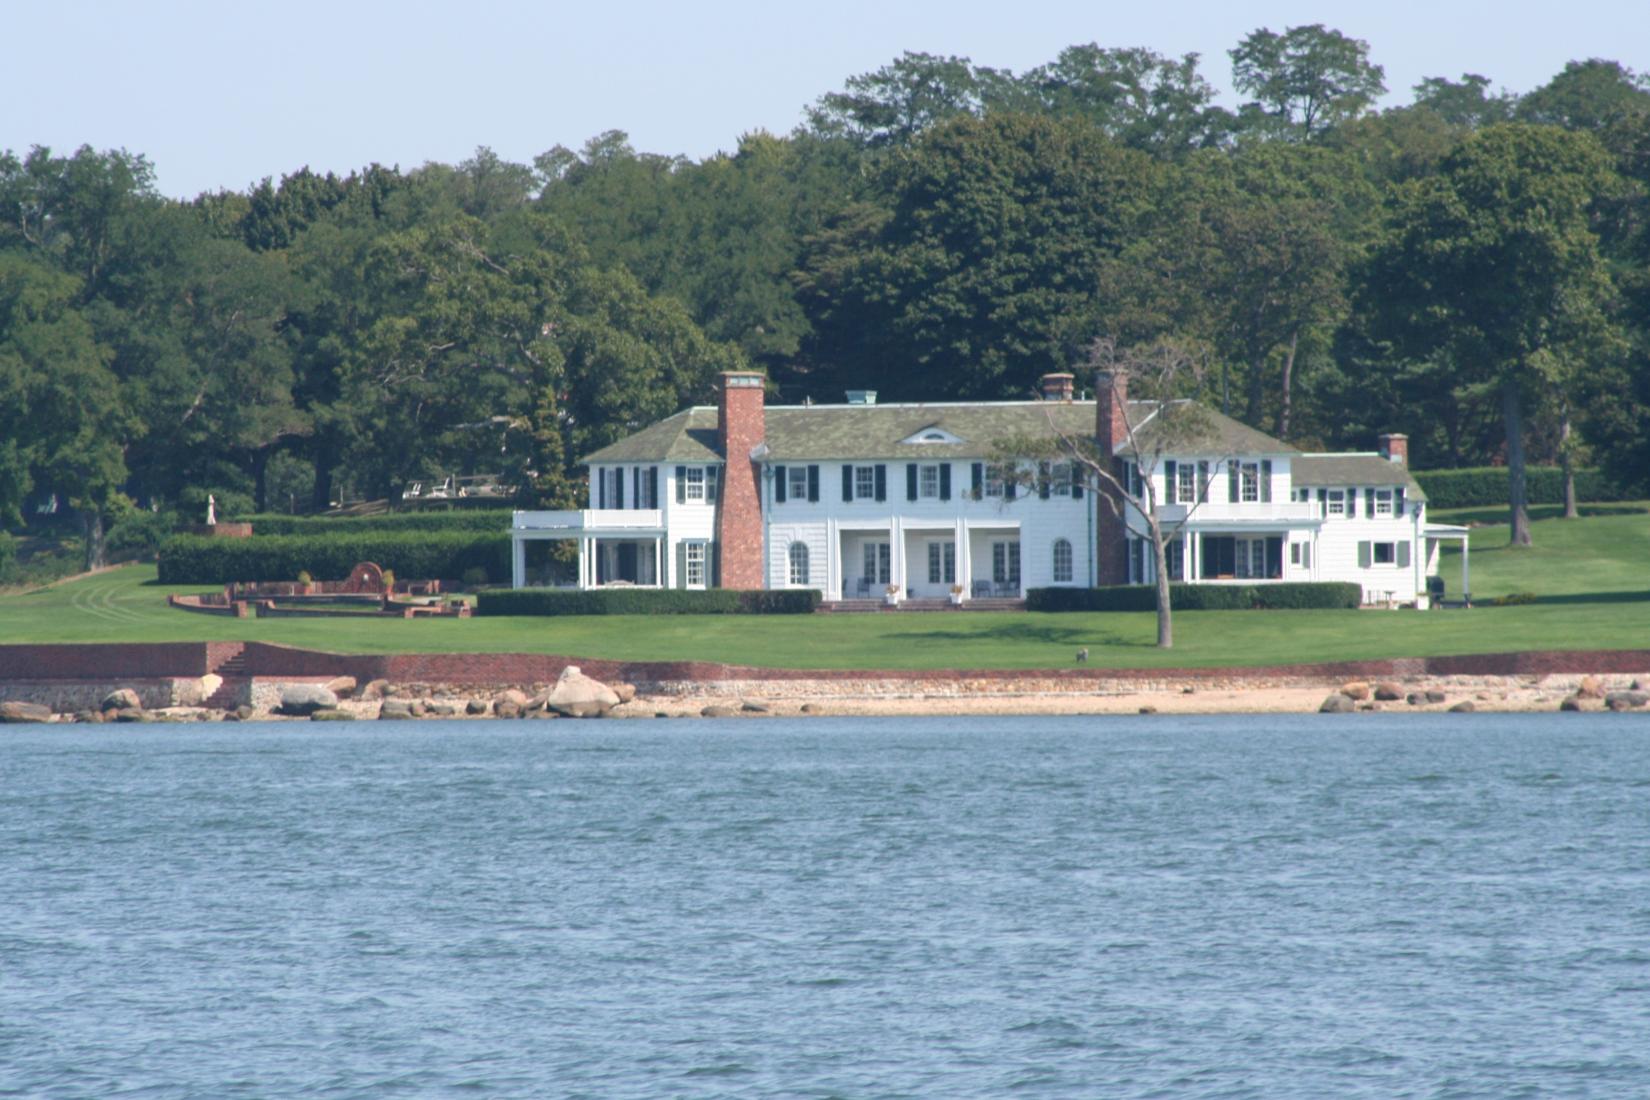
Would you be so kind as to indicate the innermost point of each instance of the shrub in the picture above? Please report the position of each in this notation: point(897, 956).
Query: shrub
point(474, 577)
point(1486, 486)
point(480, 519)
point(1198, 597)
point(191, 559)
point(645, 601)
point(8, 556)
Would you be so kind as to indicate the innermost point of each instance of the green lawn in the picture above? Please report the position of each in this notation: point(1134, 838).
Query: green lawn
point(1592, 577)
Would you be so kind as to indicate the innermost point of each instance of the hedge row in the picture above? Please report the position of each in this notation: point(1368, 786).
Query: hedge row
point(1486, 486)
point(645, 601)
point(1294, 596)
point(421, 555)
point(486, 519)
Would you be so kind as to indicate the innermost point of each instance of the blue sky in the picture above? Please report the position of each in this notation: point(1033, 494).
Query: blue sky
point(222, 94)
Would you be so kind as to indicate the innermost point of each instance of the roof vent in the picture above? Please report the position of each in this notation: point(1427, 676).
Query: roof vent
point(862, 397)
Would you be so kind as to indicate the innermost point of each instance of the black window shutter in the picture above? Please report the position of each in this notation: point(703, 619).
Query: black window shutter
point(618, 487)
point(1202, 481)
point(653, 486)
point(1232, 474)
point(1398, 501)
point(681, 565)
point(635, 486)
point(1266, 480)
point(1010, 487)
point(1369, 503)
point(779, 484)
point(979, 480)
point(1171, 470)
point(882, 482)
point(713, 552)
point(681, 485)
point(1076, 481)
point(847, 484)
point(910, 481)
point(601, 488)
point(1042, 481)
point(813, 484)
point(945, 481)
point(713, 483)
point(1351, 503)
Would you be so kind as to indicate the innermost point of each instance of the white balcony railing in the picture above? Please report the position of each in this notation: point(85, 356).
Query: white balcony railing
point(1222, 511)
point(592, 520)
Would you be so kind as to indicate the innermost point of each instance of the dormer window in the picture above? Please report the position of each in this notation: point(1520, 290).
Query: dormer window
point(932, 434)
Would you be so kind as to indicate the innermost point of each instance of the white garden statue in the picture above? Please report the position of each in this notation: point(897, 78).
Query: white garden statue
point(211, 510)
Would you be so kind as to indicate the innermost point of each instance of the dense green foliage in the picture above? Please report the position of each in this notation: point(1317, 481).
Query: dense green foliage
point(1472, 268)
point(645, 601)
point(1295, 596)
point(270, 523)
point(413, 555)
point(1487, 485)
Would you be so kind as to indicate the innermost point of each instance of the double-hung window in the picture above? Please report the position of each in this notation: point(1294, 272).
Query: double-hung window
point(1250, 482)
point(695, 487)
point(796, 482)
point(1186, 483)
point(1383, 502)
point(693, 556)
point(993, 486)
point(1335, 504)
point(865, 482)
point(928, 482)
point(1061, 474)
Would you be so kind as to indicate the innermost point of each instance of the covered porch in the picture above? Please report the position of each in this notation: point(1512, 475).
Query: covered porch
point(615, 546)
point(1436, 534)
point(927, 561)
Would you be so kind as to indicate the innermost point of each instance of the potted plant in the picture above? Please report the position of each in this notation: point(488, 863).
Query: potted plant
point(306, 583)
point(890, 595)
point(389, 582)
point(956, 595)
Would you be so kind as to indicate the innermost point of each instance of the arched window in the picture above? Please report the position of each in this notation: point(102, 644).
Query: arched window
point(799, 563)
point(1062, 561)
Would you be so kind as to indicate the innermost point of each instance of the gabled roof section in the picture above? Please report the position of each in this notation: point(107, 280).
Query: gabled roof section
point(1214, 434)
point(689, 436)
point(798, 433)
point(1335, 470)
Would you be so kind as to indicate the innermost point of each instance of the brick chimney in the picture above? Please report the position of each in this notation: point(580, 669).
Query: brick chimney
point(1057, 387)
point(1111, 431)
point(1395, 448)
point(740, 429)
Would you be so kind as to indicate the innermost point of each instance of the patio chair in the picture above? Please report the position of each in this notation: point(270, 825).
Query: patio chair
point(982, 589)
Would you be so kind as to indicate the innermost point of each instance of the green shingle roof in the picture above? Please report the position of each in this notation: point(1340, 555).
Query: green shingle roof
point(1353, 470)
point(852, 432)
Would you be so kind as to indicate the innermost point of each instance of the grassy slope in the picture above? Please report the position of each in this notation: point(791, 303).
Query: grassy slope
point(1593, 576)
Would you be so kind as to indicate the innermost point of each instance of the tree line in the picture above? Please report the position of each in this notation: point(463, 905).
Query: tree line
point(1472, 268)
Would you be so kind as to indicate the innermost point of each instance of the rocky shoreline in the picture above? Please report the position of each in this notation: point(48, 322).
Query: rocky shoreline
point(575, 695)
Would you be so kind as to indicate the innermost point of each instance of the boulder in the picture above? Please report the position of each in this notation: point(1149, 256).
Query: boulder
point(121, 699)
point(754, 708)
point(1590, 687)
point(395, 709)
point(1465, 706)
point(625, 692)
point(578, 696)
point(244, 712)
point(1435, 696)
point(475, 706)
point(439, 710)
point(1570, 702)
point(1639, 685)
point(90, 717)
point(1148, 710)
point(375, 689)
point(342, 686)
point(129, 714)
point(1338, 703)
point(15, 710)
point(1415, 699)
point(1388, 693)
point(1356, 690)
point(542, 714)
point(718, 711)
point(302, 700)
point(812, 708)
point(331, 714)
point(1626, 699)
point(517, 698)
point(415, 708)
point(506, 709)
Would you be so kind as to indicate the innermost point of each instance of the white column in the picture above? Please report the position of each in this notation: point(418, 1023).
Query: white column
point(1466, 584)
point(518, 560)
point(965, 567)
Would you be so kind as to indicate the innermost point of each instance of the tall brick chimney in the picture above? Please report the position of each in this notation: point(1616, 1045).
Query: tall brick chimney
point(1057, 387)
point(740, 429)
point(1111, 431)
point(1395, 447)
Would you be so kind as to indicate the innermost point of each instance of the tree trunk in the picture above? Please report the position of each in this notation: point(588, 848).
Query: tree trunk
point(321, 499)
point(1160, 572)
point(1257, 390)
point(1288, 386)
point(1567, 464)
point(260, 480)
point(1512, 413)
point(91, 522)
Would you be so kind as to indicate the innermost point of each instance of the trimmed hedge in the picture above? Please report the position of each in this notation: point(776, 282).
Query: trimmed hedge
point(1294, 596)
point(425, 555)
point(1486, 486)
point(645, 601)
point(485, 519)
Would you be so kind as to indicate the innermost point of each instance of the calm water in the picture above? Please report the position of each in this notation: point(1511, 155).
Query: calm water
point(1376, 906)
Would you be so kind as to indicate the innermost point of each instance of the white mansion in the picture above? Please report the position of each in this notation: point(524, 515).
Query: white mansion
point(866, 500)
